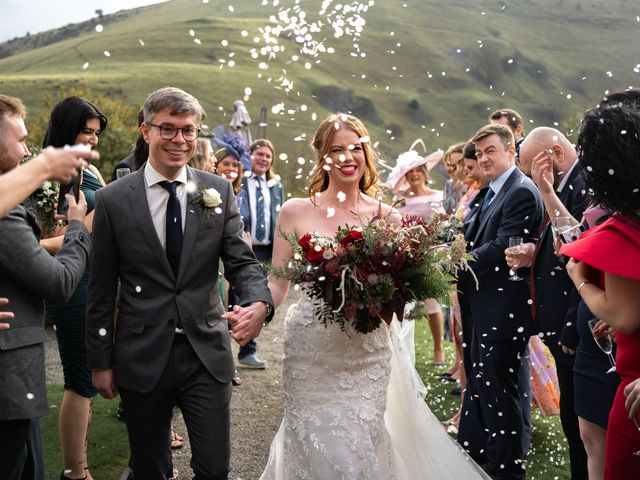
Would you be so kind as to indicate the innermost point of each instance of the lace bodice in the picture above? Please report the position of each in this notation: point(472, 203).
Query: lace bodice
point(354, 409)
point(335, 397)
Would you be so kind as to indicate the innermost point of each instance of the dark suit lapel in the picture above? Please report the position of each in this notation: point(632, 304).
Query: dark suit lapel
point(496, 203)
point(140, 209)
point(194, 214)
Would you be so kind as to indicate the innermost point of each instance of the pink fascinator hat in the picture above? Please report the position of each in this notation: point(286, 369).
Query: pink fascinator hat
point(409, 160)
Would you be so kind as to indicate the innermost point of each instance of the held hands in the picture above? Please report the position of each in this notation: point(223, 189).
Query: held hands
point(520, 256)
point(105, 383)
point(5, 315)
point(246, 322)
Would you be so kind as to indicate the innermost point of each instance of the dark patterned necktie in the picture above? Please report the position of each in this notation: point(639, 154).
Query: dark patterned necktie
point(174, 226)
point(260, 218)
point(487, 199)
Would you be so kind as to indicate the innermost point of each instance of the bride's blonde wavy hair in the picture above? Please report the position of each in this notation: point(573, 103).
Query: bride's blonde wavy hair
point(321, 144)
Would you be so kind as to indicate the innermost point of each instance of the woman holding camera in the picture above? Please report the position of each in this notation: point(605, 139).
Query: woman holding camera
point(75, 121)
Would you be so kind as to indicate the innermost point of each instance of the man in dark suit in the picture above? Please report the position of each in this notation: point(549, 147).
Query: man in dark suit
point(500, 309)
point(260, 200)
point(552, 161)
point(29, 275)
point(161, 232)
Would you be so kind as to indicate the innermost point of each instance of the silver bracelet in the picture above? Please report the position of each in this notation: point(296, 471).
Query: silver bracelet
point(582, 285)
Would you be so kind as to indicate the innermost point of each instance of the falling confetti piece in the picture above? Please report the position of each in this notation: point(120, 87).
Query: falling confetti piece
point(141, 42)
point(138, 289)
point(331, 212)
point(107, 53)
point(102, 332)
point(30, 396)
point(85, 65)
point(99, 28)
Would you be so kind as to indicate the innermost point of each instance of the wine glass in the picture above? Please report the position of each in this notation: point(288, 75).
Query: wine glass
point(515, 243)
point(562, 224)
point(604, 342)
point(122, 172)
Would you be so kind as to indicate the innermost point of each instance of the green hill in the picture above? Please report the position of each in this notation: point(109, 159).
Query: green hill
point(418, 69)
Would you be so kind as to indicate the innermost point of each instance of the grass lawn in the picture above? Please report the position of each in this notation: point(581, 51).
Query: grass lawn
point(108, 443)
point(549, 455)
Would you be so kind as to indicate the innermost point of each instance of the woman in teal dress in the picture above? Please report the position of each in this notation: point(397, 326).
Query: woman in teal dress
point(74, 121)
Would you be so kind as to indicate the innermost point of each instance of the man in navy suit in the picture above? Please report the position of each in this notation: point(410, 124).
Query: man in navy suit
point(496, 398)
point(552, 161)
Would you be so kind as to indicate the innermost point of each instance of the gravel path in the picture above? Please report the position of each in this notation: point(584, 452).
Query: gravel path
point(256, 405)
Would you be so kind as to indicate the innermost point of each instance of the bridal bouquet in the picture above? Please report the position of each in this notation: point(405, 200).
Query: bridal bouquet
point(373, 270)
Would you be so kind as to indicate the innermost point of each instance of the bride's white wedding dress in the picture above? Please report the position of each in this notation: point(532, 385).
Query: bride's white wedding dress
point(354, 409)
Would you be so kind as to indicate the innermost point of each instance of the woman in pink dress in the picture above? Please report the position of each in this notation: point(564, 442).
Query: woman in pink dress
point(410, 182)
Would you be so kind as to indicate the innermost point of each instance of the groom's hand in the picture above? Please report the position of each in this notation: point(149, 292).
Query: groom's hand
point(105, 383)
point(246, 322)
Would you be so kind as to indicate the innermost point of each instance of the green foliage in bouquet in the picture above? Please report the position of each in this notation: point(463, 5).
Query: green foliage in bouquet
point(368, 272)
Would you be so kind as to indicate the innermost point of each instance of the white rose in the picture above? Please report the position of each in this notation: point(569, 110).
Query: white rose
point(211, 198)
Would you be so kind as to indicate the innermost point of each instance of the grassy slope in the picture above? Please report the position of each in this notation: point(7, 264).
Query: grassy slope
point(563, 42)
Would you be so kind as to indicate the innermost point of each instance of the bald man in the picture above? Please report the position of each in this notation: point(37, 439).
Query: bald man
point(551, 160)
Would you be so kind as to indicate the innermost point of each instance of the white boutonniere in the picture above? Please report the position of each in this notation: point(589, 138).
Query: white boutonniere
point(209, 199)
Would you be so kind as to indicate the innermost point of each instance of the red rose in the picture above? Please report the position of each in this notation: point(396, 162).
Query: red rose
point(315, 256)
point(305, 242)
point(352, 237)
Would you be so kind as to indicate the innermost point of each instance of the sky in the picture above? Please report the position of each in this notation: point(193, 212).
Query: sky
point(19, 16)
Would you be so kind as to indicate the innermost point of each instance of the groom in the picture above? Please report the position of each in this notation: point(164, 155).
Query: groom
point(161, 236)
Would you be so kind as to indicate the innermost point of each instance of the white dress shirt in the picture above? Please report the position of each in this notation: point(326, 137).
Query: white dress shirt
point(157, 197)
point(267, 210)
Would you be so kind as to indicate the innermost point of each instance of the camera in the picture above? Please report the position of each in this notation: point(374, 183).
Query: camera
point(572, 234)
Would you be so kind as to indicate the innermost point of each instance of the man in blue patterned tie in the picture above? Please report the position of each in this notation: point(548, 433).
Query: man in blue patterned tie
point(262, 196)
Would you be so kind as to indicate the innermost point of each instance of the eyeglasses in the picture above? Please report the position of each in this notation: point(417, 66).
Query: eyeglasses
point(169, 132)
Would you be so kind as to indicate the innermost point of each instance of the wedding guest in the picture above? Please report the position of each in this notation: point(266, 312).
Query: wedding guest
point(261, 197)
point(75, 120)
point(137, 157)
point(607, 281)
point(460, 311)
point(230, 168)
point(203, 159)
point(454, 187)
point(231, 161)
point(512, 119)
point(498, 398)
point(555, 306)
point(410, 180)
point(172, 343)
point(29, 275)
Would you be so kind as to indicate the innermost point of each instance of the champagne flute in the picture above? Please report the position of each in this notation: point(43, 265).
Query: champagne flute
point(604, 342)
point(515, 243)
point(122, 172)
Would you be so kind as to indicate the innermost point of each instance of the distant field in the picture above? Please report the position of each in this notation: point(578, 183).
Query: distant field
point(421, 69)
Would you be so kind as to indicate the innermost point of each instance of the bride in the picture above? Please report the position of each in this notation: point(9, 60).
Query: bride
point(353, 403)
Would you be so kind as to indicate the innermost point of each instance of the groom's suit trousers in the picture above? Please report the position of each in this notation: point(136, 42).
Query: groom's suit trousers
point(186, 383)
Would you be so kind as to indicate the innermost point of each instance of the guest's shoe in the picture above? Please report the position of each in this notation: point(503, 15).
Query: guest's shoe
point(236, 381)
point(64, 477)
point(251, 361)
point(456, 391)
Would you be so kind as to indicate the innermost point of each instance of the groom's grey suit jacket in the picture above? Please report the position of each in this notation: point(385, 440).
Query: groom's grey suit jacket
point(126, 247)
point(28, 276)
